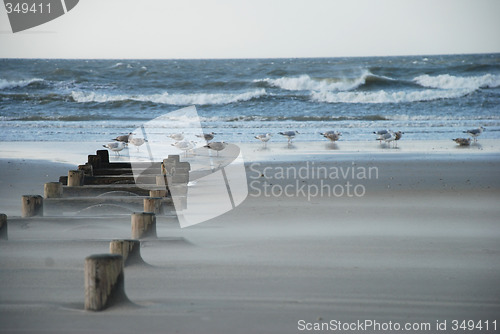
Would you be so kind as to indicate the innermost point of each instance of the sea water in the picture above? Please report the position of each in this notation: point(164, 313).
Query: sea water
point(426, 97)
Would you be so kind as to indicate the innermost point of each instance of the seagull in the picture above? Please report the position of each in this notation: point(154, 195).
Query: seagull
point(116, 146)
point(184, 146)
point(216, 146)
point(136, 141)
point(475, 132)
point(388, 137)
point(264, 138)
point(289, 134)
point(380, 134)
point(397, 136)
point(332, 135)
point(207, 136)
point(123, 138)
point(462, 141)
point(177, 136)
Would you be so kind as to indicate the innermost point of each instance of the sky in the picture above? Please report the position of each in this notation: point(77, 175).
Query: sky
point(166, 29)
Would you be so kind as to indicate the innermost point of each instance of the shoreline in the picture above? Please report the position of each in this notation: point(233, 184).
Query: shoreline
point(76, 152)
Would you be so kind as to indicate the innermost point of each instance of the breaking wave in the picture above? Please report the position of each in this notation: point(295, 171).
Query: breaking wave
point(305, 82)
point(446, 81)
point(172, 99)
point(388, 97)
point(6, 84)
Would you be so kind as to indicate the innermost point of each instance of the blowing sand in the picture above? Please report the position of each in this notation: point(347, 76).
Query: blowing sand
point(420, 245)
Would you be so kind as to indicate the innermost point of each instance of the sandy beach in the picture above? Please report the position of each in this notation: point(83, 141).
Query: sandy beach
point(360, 233)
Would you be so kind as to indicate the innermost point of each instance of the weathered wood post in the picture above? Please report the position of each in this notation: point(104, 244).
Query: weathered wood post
point(157, 193)
point(3, 227)
point(88, 170)
point(129, 249)
point(143, 225)
point(104, 281)
point(153, 204)
point(75, 178)
point(52, 190)
point(94, 161)
point(32, 205)
point(104, 156)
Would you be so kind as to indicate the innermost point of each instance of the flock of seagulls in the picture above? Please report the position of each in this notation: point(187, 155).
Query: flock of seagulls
point(387, 136)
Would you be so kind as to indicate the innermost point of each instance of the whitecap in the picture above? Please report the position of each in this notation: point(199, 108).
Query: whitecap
point(6, 84)
point(446, 81)
point(172, 99)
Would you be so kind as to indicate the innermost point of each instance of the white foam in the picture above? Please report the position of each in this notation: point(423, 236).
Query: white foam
point(172, 99)
point(387, 97)
point(446, 81)
point(6, 84)
point(305, 82)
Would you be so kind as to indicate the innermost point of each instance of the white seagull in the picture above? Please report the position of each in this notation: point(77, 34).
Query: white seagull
point(136, 141)
point(217, 146)
point(177, 136)
point(475, 132)
point(116, 146)
point(380, 134)
point(289, 134)
point(264, 138)
point(184, 146)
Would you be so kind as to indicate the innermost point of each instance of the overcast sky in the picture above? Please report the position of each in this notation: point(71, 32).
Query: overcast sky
point(259, 29)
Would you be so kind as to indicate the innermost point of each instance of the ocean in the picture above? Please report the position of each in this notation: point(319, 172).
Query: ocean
point(426, 97)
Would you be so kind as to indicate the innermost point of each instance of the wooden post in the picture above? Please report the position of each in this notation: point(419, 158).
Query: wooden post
point(104, 156)
point(3, 227)
point(143, 225)
point(88, 170)
point(161, 180)
point(129, 249)
point(157, 193)
point(95, 161)
point(52, 190)
point(32, 205)
point(75, 178)
point(152, 204)
point(104, 282)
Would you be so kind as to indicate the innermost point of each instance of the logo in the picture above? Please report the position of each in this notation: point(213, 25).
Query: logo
point(203, 183)
point(26, 14)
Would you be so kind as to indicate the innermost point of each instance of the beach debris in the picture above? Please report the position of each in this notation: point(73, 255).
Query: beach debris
point(143, 225)
point(123, 138)
point(264, 138)
point(32, 205)
point(3, 227)
point(216, 146)
point(462, 141)
point(207, 136)
point(289, 134)
point(332, 135)
point(177, 136)
point(129, 249)
point(116, 146)
point(475, 132)
point(104, 281)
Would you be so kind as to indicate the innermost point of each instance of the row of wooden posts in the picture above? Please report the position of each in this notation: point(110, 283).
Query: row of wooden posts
point(104, 277)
